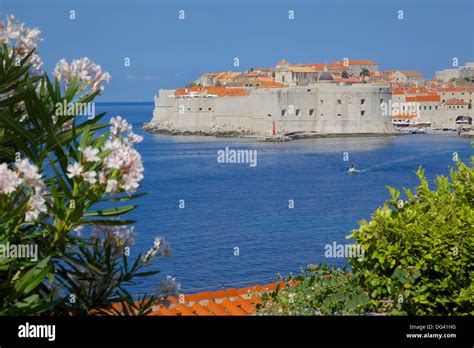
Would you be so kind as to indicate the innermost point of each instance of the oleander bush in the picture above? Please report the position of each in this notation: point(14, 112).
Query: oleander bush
point(65, 183)
point(418, 259)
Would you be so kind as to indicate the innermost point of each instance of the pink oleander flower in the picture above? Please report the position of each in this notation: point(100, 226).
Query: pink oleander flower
point(119, 125)
point(102, 178)
point(90, 177)
point(90, 154)
point(22, 40)
point(36, 206)
point(30, 176)
point(112, 186)
point(9, 180)
point(86, 71)
point(74, 170)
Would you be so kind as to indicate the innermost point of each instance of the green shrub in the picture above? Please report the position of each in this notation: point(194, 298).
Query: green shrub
point(418, 259)
point(320, 290)
point(419, 253)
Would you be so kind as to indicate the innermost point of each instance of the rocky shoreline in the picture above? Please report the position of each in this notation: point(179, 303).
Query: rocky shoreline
point(230, 131)
point(216, 131)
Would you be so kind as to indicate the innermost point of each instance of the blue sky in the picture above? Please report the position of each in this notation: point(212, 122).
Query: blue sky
point(167, 52)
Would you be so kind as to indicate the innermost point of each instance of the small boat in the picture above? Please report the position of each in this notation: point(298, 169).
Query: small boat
point(352, 170)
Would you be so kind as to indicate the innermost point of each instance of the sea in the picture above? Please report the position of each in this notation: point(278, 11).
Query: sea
point(236, 225)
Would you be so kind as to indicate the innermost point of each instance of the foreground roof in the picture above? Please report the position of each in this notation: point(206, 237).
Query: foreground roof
point(223, 302)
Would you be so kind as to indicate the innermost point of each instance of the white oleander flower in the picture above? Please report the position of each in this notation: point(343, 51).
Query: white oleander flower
point(133, 138)
point(169, 287)
point(22, 40)
point(90, 154)
point(113, 144)
point(102, 178)
point(112, 186)
point(160, 247)
point(30, 176)
point(113, 162)
point(86, 71)
point(36, 206)
point(9, 179)
point(74, 170)
point(119, 125)
point(90, 177)
point(117, 237)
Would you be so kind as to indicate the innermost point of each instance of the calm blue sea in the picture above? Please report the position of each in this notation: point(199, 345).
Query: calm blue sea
point(234, 205)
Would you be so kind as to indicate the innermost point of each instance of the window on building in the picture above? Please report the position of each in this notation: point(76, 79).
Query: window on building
point(309, 90)
point(362, 101)
point(424, 107)
point(322, 115)
point(339, 101)
point(430, 107)
point(298, 112)
point(381, 101)
point(200, 109)
point(209, 109)
point(283, 79)
point(311, 112)
point(269, 115)
point(339, 115)
point(322, 101)
point(362, 113)
point(283, 112)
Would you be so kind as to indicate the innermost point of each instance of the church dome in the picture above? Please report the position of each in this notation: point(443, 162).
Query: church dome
point(325, 76)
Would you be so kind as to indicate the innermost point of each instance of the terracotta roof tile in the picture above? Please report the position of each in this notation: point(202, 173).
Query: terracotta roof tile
point(185, 310)
point(424, 98)
point(167, 311)
point(200, 310)
point(245, 305)
point(455, 102)
point(232, 301)
point(232, 308)
point(217, 309)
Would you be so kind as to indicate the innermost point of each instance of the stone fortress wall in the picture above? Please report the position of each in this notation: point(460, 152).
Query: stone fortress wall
point(324, 108)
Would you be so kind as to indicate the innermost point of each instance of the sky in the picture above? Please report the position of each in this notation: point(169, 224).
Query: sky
point(167, 52)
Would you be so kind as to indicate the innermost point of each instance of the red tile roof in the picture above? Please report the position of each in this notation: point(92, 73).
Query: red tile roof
point(354, 62)
point(362, 62)
point(220, 91)
point(457, 89)
point(223, 302)
point(424, 98)
point(455, 102)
